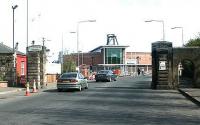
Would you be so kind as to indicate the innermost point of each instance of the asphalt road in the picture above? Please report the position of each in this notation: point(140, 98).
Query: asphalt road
point(128, 101)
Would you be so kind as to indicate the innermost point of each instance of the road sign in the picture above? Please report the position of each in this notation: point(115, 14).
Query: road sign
point(162, 65)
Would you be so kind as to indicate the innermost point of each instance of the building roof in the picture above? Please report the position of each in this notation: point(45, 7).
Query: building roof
point(108, 46)
point(7, 49)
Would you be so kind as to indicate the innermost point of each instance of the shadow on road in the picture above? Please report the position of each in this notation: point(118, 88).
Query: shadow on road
point(123, 87)
point(56, 91)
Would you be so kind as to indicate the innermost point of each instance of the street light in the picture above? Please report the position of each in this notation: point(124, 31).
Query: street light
point(181, 33)
point(14, 7)
point(14, 53)
point(77, 33)
point(81, 57)
point(27, 26)
point(163, 26)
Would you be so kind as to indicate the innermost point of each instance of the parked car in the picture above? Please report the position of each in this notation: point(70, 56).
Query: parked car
point(71, 80)
point(105, 75)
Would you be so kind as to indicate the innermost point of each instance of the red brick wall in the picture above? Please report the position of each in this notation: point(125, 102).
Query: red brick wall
point(144, 57)
point(88, 58)
point(21, 78)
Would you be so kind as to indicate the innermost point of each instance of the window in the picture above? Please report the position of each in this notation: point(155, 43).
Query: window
point(22, 68)
point(114, 56)
point(69, 75)
point(81, 76)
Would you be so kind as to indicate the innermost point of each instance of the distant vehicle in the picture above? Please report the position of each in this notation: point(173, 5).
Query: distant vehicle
point(105, 75)
point(71, 80)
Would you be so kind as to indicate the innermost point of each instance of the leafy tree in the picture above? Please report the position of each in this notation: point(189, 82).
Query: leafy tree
point(69, 65)
point(194, 42)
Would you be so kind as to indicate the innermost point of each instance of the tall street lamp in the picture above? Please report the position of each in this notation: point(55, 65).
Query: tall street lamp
point(77, 33)
point(27, 41)
point(163, 26)
point(14, 53)
point(27, 24)
point(14, 7)
point(81, 57)
point(181, 33)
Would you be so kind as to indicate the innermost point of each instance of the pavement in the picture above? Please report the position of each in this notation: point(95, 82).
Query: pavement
point(193, 94)
point(7, 90)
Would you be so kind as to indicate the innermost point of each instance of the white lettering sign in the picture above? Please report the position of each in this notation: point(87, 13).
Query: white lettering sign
point(35, 48)
point(131, 61)
point(162, 65)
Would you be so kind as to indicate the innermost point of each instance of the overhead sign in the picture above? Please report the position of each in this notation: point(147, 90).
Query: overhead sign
point(162, 65)
point(35, 48)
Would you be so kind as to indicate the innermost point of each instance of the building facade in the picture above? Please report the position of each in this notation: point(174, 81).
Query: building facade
point(21, 69)
point(12, 67)
point(141, 60)
point(114, 57)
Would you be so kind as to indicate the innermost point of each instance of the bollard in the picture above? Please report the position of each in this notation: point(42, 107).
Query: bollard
point(27, 89)
point(34, 87)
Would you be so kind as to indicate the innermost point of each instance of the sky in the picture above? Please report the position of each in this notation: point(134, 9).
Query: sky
point(54, 20)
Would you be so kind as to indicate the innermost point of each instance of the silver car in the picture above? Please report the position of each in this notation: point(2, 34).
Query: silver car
point(72, 80)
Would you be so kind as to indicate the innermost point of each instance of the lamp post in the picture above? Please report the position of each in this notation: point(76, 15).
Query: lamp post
point(81, 57)
point(181, 33)
point(62, 60)
point(27, 25)
point(77, 33)
point(163, 26)
point(14, 7)
point(27, 41)
point(14, 52)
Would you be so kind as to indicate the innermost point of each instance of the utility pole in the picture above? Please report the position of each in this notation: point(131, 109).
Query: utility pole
point(14, 52)
point(43, 41)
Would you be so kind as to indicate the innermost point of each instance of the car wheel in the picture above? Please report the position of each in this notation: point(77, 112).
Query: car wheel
point(97, 80)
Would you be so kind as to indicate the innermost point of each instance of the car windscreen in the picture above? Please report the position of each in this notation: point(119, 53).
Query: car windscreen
point(67, 76)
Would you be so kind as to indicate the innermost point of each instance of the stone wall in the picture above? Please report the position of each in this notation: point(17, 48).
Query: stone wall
point(161, 74)
point(36, 66)
point(6, 68)
point(187, 53)
point(172, 57)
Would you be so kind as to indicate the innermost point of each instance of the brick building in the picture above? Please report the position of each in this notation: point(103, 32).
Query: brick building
point(113, 56)
point(135, 60)
point(90, 59)
point(14, 74)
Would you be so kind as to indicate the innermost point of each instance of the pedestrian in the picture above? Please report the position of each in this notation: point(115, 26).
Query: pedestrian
point(138, 71)
point(142, 71)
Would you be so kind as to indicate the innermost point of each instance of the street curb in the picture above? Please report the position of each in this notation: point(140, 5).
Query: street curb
point(189, 97)
point(11, 91)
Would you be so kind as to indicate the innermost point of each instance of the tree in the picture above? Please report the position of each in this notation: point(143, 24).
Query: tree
point(194, 42)
point(69, 65)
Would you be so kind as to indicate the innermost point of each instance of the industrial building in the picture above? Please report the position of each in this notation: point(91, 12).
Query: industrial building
point(112, 56)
